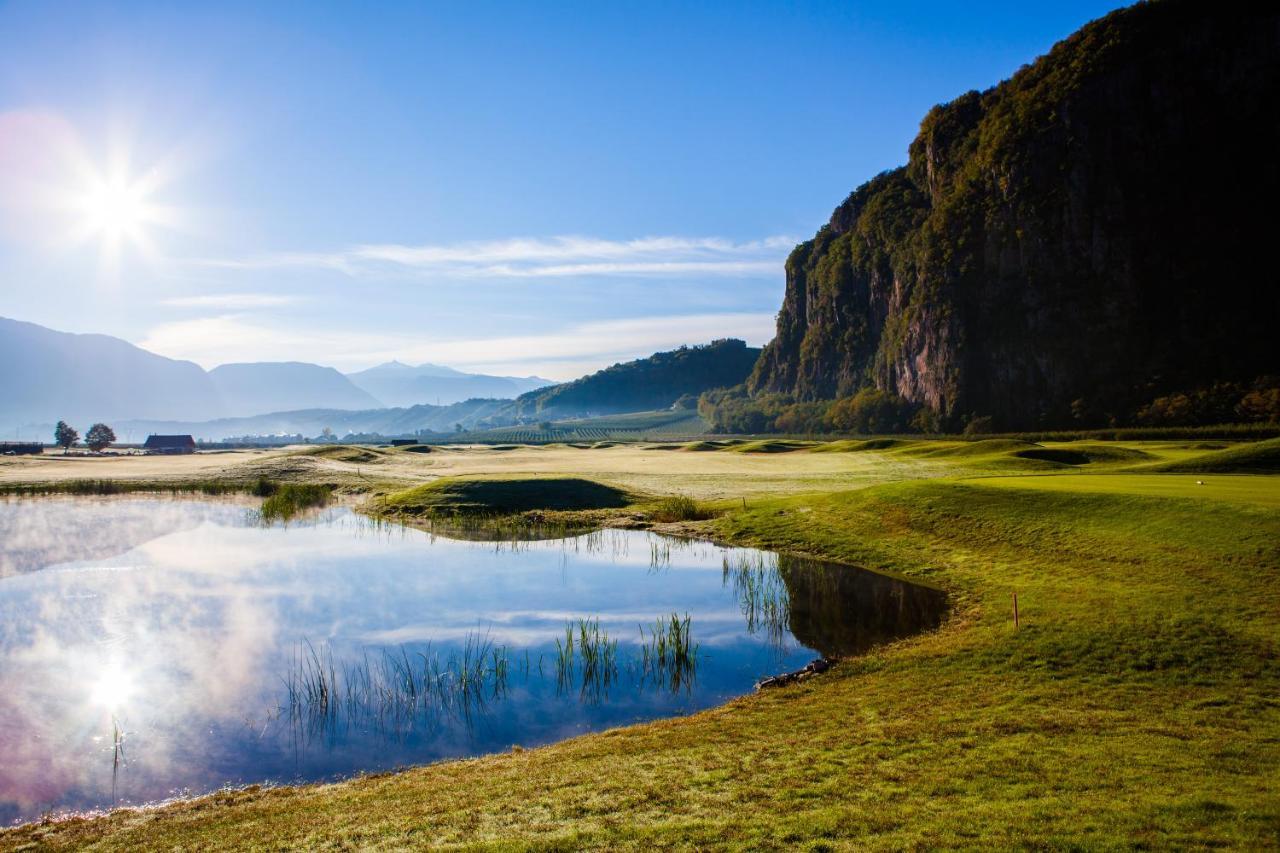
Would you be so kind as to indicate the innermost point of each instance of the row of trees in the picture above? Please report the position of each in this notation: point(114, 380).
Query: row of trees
point(870, 411)
point(1223, 402)
point(99, 436)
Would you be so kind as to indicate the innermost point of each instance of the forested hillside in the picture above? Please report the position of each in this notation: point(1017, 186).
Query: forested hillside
point(656, 382)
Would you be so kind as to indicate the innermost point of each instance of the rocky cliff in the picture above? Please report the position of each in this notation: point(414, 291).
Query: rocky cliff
point(1092, 232)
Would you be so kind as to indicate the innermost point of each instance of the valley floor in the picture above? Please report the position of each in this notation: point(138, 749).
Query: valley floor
point(1137, 704)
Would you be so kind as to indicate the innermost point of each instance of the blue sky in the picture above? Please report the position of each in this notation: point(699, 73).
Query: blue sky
point(538, 188)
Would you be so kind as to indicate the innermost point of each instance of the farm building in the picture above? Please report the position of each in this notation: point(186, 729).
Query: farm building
point(20, 448)
point(170, 444)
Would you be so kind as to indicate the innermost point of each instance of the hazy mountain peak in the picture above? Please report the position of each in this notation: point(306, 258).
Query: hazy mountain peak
point(51, 375)
point(398, 384)
point(252, 388)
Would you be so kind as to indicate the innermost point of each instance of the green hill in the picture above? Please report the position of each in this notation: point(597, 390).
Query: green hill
point(643, 385)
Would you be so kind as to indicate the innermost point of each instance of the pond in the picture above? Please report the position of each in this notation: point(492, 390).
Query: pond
point(154, 647)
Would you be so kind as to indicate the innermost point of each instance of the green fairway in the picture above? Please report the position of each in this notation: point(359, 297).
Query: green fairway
point(1263, 491)
point(1135, 705)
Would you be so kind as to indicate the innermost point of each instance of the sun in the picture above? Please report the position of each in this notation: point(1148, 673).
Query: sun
point(116, 210)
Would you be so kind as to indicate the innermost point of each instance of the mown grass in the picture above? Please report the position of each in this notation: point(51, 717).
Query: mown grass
point(1198, 489)
point(1135, 706)
point(1261, 457)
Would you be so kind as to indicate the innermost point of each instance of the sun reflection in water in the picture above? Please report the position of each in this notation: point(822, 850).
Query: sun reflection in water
point(112, 688)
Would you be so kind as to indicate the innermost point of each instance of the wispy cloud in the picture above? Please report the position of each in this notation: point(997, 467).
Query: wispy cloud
point(563, 354)
point(230, 301)
point(542, 258)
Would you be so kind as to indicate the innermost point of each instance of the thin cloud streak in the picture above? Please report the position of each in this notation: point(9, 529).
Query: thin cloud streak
point(231, 301)
point(554, 257)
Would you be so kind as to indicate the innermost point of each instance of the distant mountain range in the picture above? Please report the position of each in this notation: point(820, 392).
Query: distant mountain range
point(310, 423)
point(250, 389)
point(48, 376)
point(397, 384)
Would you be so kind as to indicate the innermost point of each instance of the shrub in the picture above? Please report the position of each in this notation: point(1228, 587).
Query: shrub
point(680, 508)
point(291, 498)
point(263, 488)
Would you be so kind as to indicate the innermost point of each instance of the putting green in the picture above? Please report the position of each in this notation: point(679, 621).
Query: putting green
point(1236, 488)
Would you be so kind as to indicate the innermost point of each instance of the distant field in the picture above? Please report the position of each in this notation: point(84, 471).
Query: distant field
point(640, 426)
point(685, 426)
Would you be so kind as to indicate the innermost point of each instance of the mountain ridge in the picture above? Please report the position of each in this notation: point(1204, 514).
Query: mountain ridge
point(250, 388)
point(83, 377)
point(398, 384)
point(65, 375)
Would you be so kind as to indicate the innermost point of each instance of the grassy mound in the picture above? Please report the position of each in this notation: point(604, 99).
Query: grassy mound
point(502, 497)
point(1262, 457)
point(770, 445)
point(1060, 455)
point(417, 448)
point(1104, 453)
point(704, 446)
point(856, 446)
point(347, 453)
point(985, 447)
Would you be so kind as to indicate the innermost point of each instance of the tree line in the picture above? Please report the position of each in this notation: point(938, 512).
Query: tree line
point(98, 437)
point(872, 411)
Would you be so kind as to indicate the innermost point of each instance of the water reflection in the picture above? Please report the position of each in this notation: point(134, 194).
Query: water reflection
point(179, 646)
point(843, 612)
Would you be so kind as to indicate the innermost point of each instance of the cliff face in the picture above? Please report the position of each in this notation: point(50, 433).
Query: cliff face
point(1090, 233)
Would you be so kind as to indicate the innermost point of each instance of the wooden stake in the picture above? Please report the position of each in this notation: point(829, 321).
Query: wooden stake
point(744, 503)
point(1015, 610)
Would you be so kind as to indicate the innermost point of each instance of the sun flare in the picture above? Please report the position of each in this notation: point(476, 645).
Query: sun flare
point(116, 210)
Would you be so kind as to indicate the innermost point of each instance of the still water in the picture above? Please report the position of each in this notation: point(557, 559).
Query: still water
point(154, 647)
